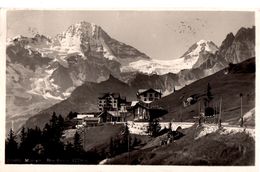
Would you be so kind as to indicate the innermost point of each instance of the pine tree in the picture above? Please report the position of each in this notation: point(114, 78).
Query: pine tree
point(111, 147)
point(77, 142)
point(60, 124)
point(23, 135)
point(135, 142)
point(69, 151)
point(23, 145)
point(11, 146)
point(52, 133)
point(209, 94)
point(70, 115)
point(125, 139)
point(53, 121)
point(154, 127)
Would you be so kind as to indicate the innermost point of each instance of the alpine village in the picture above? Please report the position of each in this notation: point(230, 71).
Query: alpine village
point(92, 105)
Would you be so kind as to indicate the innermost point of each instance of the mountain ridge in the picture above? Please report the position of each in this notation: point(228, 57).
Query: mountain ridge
point(63, 70)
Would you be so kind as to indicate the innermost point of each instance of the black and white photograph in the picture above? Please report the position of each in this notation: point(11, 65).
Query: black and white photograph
point(130, 87)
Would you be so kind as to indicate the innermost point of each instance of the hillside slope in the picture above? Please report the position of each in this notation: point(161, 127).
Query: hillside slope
point(228, 85)
point(216, 148)
point(83, 99)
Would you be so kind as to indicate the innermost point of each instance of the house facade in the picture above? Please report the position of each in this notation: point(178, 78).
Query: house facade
point(111, 102)
point(148, 95)
point(141, 111)
point(144, 111)
point(112, 107)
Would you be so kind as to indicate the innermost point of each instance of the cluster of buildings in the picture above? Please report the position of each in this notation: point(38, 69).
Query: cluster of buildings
point(114, 108)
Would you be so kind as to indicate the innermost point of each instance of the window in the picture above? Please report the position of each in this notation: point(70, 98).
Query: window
point(145, 94)
point(151, 94)
point(145, 99)
point(123, 108)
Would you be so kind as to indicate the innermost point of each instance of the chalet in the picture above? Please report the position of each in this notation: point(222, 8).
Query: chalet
point(145, 112)
point(111, 102)
point(190, 100)
point(112, 116)
point(149, 95)
point(87, 119)
point(140, 111)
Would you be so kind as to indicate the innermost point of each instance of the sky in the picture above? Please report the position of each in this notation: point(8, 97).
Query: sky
point(159, 34)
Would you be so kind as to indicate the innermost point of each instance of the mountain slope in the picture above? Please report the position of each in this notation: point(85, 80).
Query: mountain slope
point(51, 68)
point(46, 70)
point(83, 99)
point(239, 79)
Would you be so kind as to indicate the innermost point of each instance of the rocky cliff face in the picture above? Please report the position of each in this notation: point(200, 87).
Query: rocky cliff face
point(234, 49)
point(240, 47)
point(42, 71)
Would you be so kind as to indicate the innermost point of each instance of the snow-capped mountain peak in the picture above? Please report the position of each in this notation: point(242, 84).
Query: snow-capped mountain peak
point(82, 29)
point(77, 39)
point(187, 61)
point(200, 47)
point(84, 52)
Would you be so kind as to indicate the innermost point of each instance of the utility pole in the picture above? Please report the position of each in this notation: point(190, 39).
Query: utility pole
point(241, 110)
point(84, 132)
point(128, 160)
point(200, 117)
point(216, 112)
point(199, 108)
point(12, 125)
point(220, 111)
point(128, 144)
point(181, 115)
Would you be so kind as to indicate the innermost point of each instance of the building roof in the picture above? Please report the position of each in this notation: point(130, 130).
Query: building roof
point(141, 91)
point(89, 113)
point(92, 119)
point(142, 104)
point(81, 116)
point(112, 113)
point(146, 105)
point(133, 103)
point(105, 95)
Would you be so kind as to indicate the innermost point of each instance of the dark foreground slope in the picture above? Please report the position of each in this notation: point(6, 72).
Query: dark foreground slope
point(228, 84)
point(212, 149)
